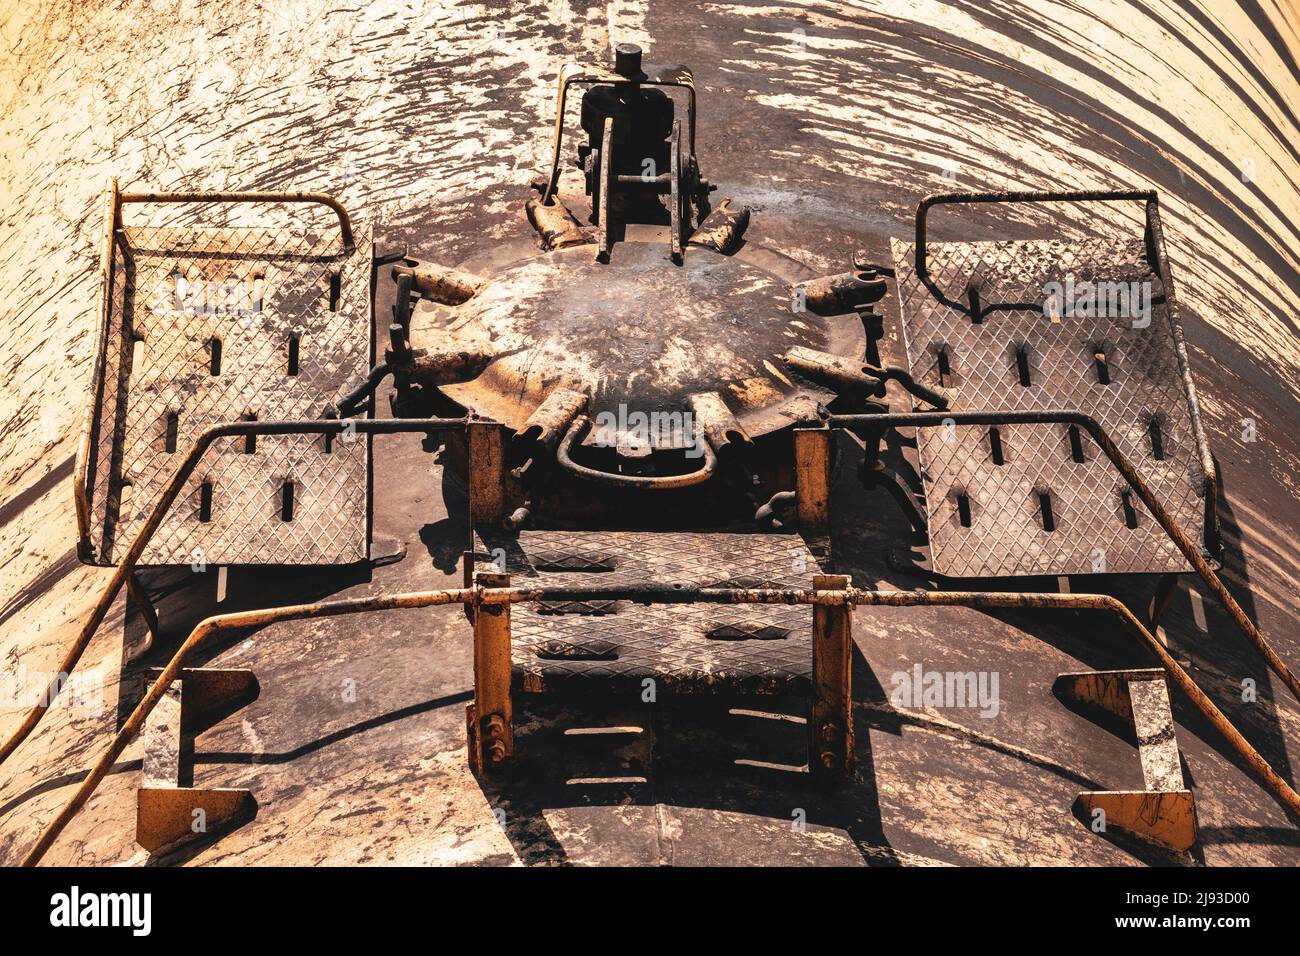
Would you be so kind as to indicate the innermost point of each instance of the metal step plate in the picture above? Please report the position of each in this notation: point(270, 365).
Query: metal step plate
point(991, 498)
point(208, 325)
point(684, 648)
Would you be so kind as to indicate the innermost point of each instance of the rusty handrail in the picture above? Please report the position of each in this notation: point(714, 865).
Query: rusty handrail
point(81, 465)
point(660, 594)
point(374, 426)
point(1088, 195)
point(320, 199)
point(1154, 239)
point(1125, 468)
point(114, 199)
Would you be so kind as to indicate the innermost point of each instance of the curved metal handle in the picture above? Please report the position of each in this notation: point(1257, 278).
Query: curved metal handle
point(574, 74)
point(578, 430)
point(320, 199)
point(922, 211)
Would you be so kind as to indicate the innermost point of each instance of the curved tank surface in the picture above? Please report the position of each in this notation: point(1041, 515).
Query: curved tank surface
point(431, 122)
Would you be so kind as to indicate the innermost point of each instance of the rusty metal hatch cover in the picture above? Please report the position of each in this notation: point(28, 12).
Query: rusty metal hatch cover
point(1043, 499)
point(761, 649)
point(637, 334)
point(211, 325)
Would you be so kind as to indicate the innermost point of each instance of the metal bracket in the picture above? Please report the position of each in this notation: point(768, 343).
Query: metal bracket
point(169, 812)
point(682, 180)
point(812, 478)
point(1164, 812)
point(148, 613)
point(493, 492)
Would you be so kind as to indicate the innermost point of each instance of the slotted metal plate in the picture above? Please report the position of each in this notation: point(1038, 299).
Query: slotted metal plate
point(174, 293)
point(1000, 528)
point(684, 648)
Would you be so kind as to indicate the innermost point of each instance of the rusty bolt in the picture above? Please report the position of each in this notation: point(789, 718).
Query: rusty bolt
point(494, 728)
point(830, 760)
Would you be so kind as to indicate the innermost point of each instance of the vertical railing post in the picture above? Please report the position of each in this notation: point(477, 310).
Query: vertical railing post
point(831, 725)
point(487, 472)
point(490, 718)
point(812, 478)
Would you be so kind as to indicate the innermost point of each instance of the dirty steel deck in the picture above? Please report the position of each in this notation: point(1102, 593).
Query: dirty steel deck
point(612, 647)
point(209, 325)
point(1124, 371)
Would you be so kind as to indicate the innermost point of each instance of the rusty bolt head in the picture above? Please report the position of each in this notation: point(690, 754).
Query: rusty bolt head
point(830, 760)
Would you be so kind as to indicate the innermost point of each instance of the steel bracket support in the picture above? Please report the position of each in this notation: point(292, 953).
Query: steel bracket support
point(1164, 812)
point(604, 231)
point(830, 751)
point(169, 812)
point(490, 718)
point(1164, 593)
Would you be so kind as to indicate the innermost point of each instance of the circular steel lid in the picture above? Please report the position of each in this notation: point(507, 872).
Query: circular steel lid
point(638, 334)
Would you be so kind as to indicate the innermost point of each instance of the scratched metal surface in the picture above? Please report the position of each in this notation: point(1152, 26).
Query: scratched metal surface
point(1004, 533)
point(683, 649)
point(831, 120)
point(172, 373)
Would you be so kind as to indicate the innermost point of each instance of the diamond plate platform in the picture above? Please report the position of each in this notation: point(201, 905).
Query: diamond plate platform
point(1043, 499)
point(685, 648)
point(209, 325)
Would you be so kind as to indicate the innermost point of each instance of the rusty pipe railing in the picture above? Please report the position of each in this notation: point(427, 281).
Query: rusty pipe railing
point(658, 594)
point(373, 426)
point(113, 240)
point(212, 625)
point(1135, 480)
point(319, 199)
point(582, 425)
point(1090, 195)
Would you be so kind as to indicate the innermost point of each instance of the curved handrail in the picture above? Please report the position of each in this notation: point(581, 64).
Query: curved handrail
point(320, 199)
point(944, 199)
point(1135, 480)
point(577, 74)
point(661, 594)
point(114, 200)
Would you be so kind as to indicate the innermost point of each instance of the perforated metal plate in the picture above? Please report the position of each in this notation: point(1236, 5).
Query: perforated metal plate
point(685, 648)
point(176, 292)
point(988, 519)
